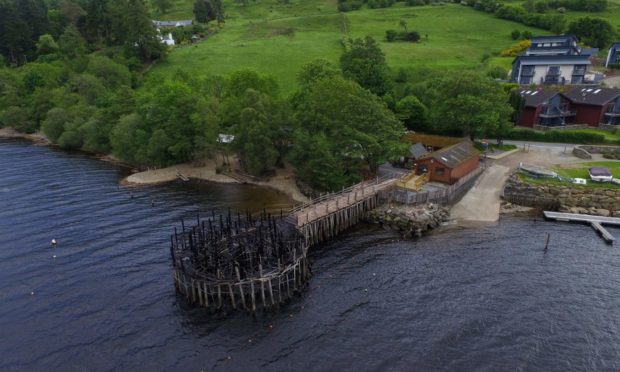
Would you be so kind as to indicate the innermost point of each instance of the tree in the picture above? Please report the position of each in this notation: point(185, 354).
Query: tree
point(595, 32)
point(467, 103)
point(129, 139)
point(263, 131)
point(54, 123)
point(541, 6)
point(352, 126)
point(316, 70)
point(162, 5)
point(364, 62)
point(72, 12)
point(46, 45)
point(208, 10)
point(201, 11)
point(21, 24)
point(130, 25)
point(111, 73)
point(412, 112)
point(71, 42)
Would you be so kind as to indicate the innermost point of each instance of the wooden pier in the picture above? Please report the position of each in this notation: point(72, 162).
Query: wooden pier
point(328, 215)
point(595, 221)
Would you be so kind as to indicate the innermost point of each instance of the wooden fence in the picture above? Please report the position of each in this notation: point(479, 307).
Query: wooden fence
point(444, 196)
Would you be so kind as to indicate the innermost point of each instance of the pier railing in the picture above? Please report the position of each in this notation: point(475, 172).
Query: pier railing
point(330, 196)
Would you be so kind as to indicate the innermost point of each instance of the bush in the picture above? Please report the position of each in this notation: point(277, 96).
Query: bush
point(348, 5)
point(391, 35)
point(497, 72)
point(516, 49)
point(412, 36)
point(515, 35)
point(561, 136)
point(615, 66)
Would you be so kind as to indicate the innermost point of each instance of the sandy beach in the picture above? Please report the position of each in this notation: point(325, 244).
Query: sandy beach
point(283, 181)
point(35, 137)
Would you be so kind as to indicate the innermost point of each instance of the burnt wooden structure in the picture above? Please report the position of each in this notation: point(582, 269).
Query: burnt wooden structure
point(232, 262)
point(235, 262)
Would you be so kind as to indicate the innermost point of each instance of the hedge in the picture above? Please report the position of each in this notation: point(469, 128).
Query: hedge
point(561, 136)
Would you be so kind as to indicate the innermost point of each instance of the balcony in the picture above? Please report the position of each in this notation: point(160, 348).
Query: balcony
point(557, 114)
point(554, 79)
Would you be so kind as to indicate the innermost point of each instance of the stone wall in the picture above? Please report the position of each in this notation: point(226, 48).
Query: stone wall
point(409, 221)
point(569, 198)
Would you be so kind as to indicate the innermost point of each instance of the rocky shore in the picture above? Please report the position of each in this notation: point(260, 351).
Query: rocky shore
point(564, 198)
point(409, 221)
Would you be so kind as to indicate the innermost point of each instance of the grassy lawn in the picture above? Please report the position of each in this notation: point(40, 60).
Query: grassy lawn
point(581, 170)
point(578, 171)
point(279, 38)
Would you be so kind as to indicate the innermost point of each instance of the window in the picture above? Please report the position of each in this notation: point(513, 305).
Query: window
point(528, 70)
point(553, 70)
point(440, 171)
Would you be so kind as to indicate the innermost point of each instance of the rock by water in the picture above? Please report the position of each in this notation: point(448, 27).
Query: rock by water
point(409, 221)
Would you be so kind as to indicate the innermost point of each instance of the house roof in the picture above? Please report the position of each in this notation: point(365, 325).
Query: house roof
point(535, 98)
point(553, 60)
point(417, 150)
point(431, 140)
point(592, 96)
point(615, 46)
point(179, 23)
point(589, 51)
point(454, 155)
point(542, 39)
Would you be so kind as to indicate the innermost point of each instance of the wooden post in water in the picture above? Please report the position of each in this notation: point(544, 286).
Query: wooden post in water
point(547, 243)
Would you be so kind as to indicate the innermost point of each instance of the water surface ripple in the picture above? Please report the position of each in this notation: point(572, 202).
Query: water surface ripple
point(482, 299)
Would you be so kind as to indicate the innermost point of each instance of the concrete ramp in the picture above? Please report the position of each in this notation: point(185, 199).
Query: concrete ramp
point(482, 202)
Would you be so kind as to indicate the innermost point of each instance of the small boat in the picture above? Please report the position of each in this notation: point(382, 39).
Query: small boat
point(600, 174)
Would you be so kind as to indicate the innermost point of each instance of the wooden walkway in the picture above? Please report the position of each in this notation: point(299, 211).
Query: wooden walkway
point(327, 215)
point(595, 221)
point(331, 203)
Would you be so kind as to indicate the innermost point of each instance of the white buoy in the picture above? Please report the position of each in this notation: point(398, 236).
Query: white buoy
point(54, 242)
point(54, 256)
point(32, 293)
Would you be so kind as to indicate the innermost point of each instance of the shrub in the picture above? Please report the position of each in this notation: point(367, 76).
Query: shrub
point(516, 49)
point(615, 66)
point(497, 72)
point(515, 35)
point(391, 35)
point(412, 36)
point(561, 136)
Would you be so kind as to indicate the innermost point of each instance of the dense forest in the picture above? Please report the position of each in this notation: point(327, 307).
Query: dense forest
point(77, 74)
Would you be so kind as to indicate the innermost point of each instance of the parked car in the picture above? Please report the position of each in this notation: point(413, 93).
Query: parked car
point(600, 174)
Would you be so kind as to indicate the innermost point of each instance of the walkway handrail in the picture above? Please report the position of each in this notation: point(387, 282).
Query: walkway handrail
point(332, 195)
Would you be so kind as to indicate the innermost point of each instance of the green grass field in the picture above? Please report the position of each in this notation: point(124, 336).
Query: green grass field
point(278, 39)
point(579, 171)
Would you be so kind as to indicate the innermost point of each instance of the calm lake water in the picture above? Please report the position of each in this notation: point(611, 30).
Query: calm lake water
point(480, 299)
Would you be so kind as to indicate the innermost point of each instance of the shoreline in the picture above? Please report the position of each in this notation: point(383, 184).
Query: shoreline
point(36, 137)
point(283, 181)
